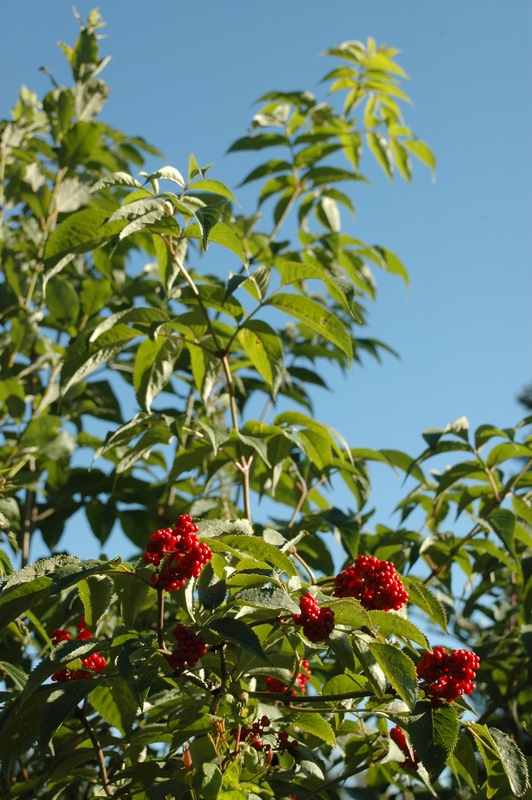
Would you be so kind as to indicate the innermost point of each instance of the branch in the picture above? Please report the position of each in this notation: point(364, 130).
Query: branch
point(97, 749)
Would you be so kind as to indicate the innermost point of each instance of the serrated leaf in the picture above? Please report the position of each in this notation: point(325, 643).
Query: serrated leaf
point(316, 725)
point(237, 632)
point(267, 597)
point(259, 549)
point(389, 624)
point(265, 350)
point(153, 367)
point(348, 611)
point(115, 703)
point(95, 593)
point(513, 761)
point(421, 596)
point(16, 600)
point(433, 731)
point(60, 702)
point(462, 761)
point(370, 667)
point(318, 318)
point(399, 670)
point(502, 523)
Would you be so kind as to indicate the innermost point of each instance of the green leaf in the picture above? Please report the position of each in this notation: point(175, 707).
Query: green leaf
point(433, 732)
point(115, 703)
point(259, 549)
point(513, 761)
point(463, 763)
point(15, 600)
point(154, 365)
point(84, 230)
point(216, 187)
point(318, 318)
point(142, 448)
point(76, 367)
point(399, 670)
point(208, 217)
point(169, 174)
point(63, 302)
point(389, 624)
point(94, 295)
point(61, 701)
point(370, 667)
point(221, 234)
point(503, 452)
point(212, 782)
point(131, 595)
point(502, 523)
point(237, 632)
point(267, 597)
point(265, 349)
point(316, 725)
point(421, 151)
point(348, 611)
point(95, 593)
point(421, 596)
point(258, 142)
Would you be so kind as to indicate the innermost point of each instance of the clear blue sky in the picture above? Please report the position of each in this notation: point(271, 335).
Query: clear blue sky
point(184, 75)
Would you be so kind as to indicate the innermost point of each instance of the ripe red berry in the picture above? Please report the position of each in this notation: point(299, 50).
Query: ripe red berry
point(185, 555)
point(277, 686)
point(59, 635)
point(317, 622)
point(190, 648)
point(446, 676)
point(375, 583)
point(398, 736)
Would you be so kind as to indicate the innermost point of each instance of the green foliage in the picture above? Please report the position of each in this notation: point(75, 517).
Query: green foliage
point(84, 340)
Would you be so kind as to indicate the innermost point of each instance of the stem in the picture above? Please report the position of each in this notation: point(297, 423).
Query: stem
point(97, 749)
point(324, 698)
point(217, 699)
point(304, 564)
point(160, 618)
point(28, 524)
point(305, 493)
point(435, 571)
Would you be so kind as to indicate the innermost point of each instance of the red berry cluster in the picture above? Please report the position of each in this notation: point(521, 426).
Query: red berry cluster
point(190, 648)
point(94, 664)
point(284, 741)
point(375, 583)
point(275, 685)
point(397, 735)
point(317, 622)
point(253, 735)
point(446, 675)
point(184, 555)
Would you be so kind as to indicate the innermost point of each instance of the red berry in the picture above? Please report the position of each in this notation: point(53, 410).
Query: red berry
point(446, 675)
point(185, 555)
point(317, 622)
point(190, 648)
point(398, 736)
point(84, 635)
point(375, 583)
point(59, 635)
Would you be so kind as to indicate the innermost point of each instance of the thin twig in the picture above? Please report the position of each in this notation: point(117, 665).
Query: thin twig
point(97, 749)
point(160, 618)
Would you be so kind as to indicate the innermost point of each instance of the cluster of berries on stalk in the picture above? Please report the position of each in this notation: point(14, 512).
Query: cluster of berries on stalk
point(302, 678)
point(190, 648)
point(253, 737)
point(397, 735)
point(375, 583)
point(183, 555)
point(446, 676)
point(93, 664)
point(317, 622)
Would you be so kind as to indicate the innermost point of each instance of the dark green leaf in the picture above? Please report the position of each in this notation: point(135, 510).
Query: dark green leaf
point(399, 670)
point(240, 634)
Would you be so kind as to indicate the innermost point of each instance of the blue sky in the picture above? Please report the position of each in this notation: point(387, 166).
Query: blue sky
point(185, 75)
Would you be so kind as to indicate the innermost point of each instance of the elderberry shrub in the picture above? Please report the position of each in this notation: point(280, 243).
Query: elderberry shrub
point(94, 664)
point(397, 735)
